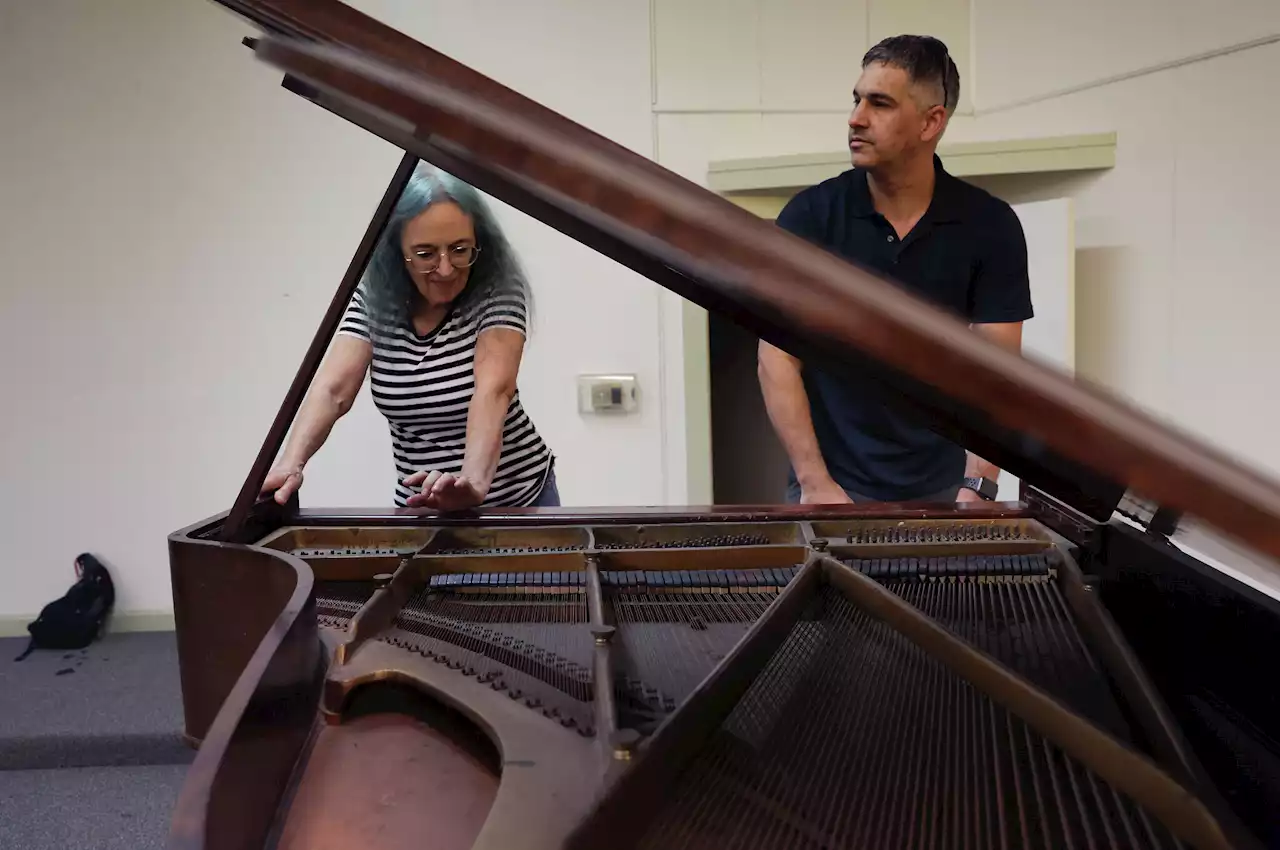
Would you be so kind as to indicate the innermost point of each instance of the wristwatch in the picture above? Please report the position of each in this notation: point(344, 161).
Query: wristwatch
point(984, 487)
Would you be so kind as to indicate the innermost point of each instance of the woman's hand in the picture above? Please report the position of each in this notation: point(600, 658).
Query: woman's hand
point(444, 491)
point(284, 480)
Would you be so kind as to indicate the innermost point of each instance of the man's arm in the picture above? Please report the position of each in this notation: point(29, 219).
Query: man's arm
point(788, 406)
point(1000, 301)
point(1008, 335)
point(781, 384)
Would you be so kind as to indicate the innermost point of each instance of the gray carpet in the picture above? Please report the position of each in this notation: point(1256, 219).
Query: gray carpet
point(91, 753)
point(115, 703)
point(88, 808)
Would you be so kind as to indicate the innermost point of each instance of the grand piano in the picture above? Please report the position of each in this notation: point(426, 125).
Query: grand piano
point(1091, 666)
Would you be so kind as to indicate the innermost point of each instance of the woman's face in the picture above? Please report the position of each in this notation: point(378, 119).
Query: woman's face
point(437, 237)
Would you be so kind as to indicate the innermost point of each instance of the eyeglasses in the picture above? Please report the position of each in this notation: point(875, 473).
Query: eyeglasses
point(425, 261)
point(946, 77)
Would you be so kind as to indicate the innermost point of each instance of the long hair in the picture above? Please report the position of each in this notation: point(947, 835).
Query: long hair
point(389, 291)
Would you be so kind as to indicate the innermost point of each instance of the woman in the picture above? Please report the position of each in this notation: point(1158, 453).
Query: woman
point(441, 316)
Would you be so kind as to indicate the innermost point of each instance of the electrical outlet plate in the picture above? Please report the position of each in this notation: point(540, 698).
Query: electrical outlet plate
point(607, 394)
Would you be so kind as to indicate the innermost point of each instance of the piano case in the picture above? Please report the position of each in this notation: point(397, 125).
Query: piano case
point(1061, 671)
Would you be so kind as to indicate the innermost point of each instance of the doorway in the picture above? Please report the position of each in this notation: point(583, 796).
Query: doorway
point(748, 465)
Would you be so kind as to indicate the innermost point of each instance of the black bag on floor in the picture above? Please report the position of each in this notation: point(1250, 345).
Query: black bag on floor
point(75, 620)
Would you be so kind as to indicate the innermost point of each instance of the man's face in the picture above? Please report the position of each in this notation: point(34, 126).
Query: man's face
point(893, 119)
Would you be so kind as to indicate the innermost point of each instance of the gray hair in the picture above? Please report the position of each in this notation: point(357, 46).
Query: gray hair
point(925, 59)
point(389, 292)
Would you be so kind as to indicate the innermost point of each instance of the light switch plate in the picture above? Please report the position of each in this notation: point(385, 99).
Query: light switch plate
point(607, 394)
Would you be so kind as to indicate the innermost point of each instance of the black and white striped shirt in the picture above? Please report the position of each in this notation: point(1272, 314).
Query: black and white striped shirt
point(424, 384)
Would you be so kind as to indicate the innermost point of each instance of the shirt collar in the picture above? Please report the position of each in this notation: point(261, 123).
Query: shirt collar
point(947, 203)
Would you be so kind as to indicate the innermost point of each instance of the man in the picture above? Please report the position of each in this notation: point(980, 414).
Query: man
point(897, 211)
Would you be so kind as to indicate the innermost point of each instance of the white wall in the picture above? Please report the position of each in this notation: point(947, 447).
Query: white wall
point(172, 227)
point(1175, 257)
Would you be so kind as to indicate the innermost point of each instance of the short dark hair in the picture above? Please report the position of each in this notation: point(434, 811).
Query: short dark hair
point(924, 58)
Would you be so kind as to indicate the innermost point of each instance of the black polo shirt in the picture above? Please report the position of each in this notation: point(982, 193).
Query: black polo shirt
point(966, 254)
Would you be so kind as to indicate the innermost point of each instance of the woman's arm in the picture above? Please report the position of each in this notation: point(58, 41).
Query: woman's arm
point(333, 392)
point(498, 354)
point(497, 365)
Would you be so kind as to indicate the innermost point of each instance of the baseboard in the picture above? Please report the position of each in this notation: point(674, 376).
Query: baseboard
point(125, 621)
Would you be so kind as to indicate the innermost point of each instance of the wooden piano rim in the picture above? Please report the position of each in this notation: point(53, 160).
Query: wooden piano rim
point(290, 630)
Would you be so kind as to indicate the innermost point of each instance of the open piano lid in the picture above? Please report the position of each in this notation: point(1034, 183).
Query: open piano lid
point(1079, 445)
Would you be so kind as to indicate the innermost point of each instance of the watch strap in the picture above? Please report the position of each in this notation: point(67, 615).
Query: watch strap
point(984, 487)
